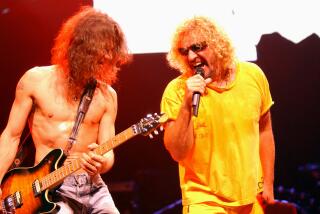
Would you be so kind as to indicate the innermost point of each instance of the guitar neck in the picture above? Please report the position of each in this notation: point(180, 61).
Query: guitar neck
point(57, 176)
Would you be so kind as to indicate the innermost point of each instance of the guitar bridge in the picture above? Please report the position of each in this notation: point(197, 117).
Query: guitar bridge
point(36, 187)
point(10, 203)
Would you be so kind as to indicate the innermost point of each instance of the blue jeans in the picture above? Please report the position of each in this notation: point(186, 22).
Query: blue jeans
point(81, 194)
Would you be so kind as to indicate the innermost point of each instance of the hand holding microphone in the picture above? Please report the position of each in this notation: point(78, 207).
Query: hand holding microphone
point(196, 95)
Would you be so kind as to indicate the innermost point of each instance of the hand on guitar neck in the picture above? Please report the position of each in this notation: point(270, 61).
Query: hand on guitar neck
point(91, 162)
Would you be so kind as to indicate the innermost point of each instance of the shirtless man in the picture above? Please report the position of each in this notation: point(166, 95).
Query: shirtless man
point(89, 45)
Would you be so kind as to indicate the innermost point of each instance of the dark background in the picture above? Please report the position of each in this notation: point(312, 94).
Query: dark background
point(145, 178)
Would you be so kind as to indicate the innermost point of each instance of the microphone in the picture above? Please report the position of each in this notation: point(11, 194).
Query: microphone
point(196, 95)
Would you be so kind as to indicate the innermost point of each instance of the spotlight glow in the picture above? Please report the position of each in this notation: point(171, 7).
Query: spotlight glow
point(149, 25)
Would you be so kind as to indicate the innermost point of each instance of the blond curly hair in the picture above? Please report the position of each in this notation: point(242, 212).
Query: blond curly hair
point(206, 29)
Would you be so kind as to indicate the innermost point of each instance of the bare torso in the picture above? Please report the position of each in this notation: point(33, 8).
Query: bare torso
point(52, 117)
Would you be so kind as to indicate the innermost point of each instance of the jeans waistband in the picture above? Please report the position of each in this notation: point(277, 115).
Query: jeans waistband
point(82, 179)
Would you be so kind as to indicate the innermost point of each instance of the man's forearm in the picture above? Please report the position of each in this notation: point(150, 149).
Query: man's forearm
point(267, 149)
point(179, 135)
point(267, 156)
point(7, 153)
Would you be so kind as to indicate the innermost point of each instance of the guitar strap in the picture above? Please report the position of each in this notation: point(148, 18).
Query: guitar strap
point(23, 151)
point(83, 107)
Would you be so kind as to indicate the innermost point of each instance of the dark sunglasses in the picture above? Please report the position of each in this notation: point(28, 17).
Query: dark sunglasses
point(194, 47)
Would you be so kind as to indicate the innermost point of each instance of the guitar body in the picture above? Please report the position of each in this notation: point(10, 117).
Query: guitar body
point(22, 179)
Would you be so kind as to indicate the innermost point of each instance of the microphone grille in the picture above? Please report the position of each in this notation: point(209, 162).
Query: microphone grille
point(199, 70)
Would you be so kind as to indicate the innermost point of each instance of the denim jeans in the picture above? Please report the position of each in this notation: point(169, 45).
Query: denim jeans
point(81, 194)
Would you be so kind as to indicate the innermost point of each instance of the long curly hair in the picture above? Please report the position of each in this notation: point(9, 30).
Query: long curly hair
point(207, 30)
point(89, 45)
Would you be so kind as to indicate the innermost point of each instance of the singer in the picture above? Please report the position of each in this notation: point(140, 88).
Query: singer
point(225, 152)
point(90, 45)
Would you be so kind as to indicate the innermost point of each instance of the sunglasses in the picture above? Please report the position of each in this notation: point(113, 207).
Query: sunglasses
point(197, 47)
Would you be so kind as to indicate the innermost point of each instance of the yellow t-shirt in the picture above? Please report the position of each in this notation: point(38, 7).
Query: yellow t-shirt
point(224, 164)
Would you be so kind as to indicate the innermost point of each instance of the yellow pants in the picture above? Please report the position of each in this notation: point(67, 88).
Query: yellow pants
point(213, 208)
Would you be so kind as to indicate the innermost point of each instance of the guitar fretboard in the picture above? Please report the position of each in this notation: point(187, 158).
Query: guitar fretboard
point(56, 177)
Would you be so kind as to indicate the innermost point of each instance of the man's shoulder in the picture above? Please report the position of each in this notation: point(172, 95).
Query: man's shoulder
point(39, 72)
point(249, 65)
point(175, 86)
point(105, 88)
point(35, 77)
point(250, 68)
point(177, 81)
point(251, 71)
point(107, 91)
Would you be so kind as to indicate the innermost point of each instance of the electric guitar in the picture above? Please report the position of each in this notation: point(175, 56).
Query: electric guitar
point(26, 189)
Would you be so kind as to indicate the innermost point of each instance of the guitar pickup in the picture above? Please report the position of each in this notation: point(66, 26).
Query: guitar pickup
point(36, 187)
point(17, 199)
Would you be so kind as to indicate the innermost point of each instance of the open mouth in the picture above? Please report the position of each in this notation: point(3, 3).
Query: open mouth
point(198, 65)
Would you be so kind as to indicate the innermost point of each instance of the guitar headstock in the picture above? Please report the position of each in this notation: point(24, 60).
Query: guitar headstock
point(150, 123)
